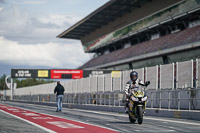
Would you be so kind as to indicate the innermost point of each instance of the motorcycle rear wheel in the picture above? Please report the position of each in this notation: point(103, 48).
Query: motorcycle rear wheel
point(132, 120)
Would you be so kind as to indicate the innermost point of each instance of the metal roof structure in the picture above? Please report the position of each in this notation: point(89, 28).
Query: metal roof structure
point(102, 16)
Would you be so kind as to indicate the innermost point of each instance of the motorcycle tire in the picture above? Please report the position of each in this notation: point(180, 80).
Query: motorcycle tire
point(140, 114)
point(132, 120)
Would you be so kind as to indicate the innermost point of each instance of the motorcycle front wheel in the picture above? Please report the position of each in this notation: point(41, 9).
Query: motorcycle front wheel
point(140, 114)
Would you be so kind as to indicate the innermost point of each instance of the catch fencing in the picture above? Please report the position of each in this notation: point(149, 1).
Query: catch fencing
point(108, 89)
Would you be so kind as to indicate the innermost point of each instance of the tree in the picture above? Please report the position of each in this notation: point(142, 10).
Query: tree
point(31, 82)
point(23, 82)
point(2, 83)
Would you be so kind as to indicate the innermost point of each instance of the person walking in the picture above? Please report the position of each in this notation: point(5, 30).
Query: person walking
point(59, 91)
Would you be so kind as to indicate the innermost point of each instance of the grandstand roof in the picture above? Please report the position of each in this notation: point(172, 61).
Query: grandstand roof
point(103, 15)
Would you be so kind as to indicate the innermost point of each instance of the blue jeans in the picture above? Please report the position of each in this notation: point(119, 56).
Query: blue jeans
point(59, 102)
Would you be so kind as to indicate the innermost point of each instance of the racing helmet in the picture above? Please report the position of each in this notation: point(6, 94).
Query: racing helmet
point(133, 75)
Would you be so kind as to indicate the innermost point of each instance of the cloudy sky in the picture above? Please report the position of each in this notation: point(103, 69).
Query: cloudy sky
point(28, 30)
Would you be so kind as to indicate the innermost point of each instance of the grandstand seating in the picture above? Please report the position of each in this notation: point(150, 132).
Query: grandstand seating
point(184, 37)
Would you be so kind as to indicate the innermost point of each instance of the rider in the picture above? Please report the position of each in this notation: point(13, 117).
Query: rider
point(134, 82)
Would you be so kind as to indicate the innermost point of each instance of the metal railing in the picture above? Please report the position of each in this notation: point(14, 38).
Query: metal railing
point(188, 102)
point(161, 99)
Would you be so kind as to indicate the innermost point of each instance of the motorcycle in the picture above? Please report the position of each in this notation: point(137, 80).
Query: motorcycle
point(137, 104)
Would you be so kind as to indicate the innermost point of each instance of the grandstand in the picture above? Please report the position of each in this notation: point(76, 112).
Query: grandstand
point(130, 34)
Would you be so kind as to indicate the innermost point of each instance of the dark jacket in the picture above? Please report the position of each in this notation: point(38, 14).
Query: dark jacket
point(59, 89)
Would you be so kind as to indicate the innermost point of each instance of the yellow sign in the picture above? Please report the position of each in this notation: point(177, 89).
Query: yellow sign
point(43, 73)
point(116, 74)
point(177, 114)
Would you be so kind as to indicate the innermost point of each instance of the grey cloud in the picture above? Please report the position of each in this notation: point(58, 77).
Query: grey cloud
point(36, 23)
point(2, 1)
point(23, 28)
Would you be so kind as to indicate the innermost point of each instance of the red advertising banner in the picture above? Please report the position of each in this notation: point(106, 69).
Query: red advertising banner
point(66, 74)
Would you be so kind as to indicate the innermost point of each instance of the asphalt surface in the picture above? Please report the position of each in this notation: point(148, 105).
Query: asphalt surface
point(116, 121)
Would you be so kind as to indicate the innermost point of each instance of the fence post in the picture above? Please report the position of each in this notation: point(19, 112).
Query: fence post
point(82, 85)
point(176, 75)
point(111, 83)
point(145, 73)
point(76, 86)
point(123, 80)
point(197, 73)
point(189, 100)
point(160, 77)
point(100, 96)
point(173, 72)
point(114, 99)
point(104, 98)
point(156, 77)
point(169, 99)
point(89, 90)
point(109, 98)
point(160, 100)
point(103, 83)
point(151, 99)
point(192, 85)
point(179, 96)
point(120, 81)
point(119, 99)
point(89, 84)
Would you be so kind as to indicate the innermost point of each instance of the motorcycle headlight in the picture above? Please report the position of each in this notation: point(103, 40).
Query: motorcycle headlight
point(144, 98)
point(134, 98)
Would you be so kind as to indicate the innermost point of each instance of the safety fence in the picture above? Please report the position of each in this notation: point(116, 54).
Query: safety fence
point(188, 99)
point(108, 88)
point(171, 76)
